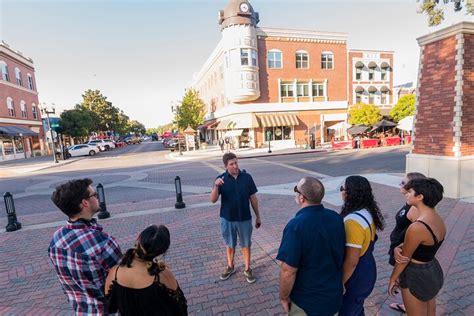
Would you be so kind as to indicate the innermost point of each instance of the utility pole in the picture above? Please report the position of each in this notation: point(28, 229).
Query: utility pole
point(44, 110)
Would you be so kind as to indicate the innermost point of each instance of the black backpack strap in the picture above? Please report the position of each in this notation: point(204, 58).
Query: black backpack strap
point(365, 219)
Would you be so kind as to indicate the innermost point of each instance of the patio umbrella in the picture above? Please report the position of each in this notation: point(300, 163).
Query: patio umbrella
point(167, 134)
point(406, 123)
point(357, 129)
point(383, 124)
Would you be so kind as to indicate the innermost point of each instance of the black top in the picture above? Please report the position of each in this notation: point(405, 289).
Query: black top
point(155, 299)
point(426, 253)
point(398, 233)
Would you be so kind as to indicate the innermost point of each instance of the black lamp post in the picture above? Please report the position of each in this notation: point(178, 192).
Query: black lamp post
point(269, 136)
point(103, 207)
point(13, 224)
point(179, 194)
point(179, 147)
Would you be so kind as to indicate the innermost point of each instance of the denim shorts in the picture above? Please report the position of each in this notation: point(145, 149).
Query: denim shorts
point(230, 231)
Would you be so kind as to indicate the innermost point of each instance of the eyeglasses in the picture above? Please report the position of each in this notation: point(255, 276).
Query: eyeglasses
point(342, 189)
point(298, 191)
point(92, 195)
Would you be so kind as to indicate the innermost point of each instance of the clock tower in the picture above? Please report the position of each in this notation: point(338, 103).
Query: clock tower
point(238, 23)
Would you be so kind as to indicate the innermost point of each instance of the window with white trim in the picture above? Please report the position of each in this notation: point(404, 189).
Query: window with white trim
point(302, 89)
point(10, 107)
point(34, 111)
point(384, 97)
point(248, 57)
point(30, 82)
point(274, 59)
point(358, 73)
point(18, 76)
point(359, 96)
point(383, 73)
point(318, 89)
point(371, 73)
point(23, 109)
point(302, 60)
point(371, 97)
point(4, 70)
point(327, 60)
point(287, 90)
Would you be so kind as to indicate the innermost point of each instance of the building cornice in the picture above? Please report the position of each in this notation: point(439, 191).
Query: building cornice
point(16, 54)
point(7, 83)
point(16, 121)
point(463, 27)
point(371, 51)
point(208, 64)
point(293, 35)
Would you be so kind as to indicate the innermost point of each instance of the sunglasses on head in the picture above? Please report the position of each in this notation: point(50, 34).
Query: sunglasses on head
point(295, 189)
point(402, 183)
point(342, 189)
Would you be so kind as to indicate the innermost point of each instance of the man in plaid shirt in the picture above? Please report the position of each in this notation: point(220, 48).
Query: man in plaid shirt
point(80, 251)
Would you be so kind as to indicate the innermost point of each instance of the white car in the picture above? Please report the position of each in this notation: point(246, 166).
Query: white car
point(83, 150)
point(102, 144)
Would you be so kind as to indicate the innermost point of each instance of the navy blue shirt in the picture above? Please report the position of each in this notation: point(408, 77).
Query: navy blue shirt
point(313, 242)
point(235, 195)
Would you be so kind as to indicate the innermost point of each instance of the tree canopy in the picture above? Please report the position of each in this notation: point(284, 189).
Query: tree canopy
point(191, 111)
point(405, 107)
point(77, 122)
point(362, 113)
point(136, 127)
point(436, 13)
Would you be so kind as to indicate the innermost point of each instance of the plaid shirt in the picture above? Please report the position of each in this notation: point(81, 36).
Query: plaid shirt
point(82, 255)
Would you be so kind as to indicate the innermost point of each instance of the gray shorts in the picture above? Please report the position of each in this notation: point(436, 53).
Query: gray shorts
point(423, 280)
point(230, 231)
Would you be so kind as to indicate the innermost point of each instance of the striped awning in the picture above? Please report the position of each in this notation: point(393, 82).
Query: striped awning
point(269, 120)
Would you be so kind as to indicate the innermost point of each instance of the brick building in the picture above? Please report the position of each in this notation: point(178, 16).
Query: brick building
point(289, 86)
point(21, 131)
point(443, 145)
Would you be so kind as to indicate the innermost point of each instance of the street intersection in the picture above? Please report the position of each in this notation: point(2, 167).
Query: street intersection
point(139, 184)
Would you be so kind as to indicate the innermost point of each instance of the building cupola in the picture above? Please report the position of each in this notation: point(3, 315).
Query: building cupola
point(238, 12)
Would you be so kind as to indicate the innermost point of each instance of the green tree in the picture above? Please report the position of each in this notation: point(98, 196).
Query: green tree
point(191, 110)
point(404, 107)
point(362, 113)
point(106, 113)
point(77, 122)
point(436, 13)
point(136, 127)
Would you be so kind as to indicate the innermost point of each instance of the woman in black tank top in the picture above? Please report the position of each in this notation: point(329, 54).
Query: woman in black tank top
point(142, 285)
point(422, 277)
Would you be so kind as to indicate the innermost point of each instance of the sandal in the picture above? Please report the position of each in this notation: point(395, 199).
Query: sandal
point(398, 307)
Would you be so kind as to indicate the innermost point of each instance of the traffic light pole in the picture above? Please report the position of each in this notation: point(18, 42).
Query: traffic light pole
point(52, 137)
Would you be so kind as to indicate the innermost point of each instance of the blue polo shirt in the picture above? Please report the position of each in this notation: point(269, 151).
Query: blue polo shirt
point(313, 242)
point(235, 194)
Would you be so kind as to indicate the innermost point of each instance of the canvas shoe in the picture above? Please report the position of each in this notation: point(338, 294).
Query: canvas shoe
point(227, 273)
point(249, 276)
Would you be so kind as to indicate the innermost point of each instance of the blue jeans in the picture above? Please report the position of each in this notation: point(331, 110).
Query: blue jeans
point(230, 231)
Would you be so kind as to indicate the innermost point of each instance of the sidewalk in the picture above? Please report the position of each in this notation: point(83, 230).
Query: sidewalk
point(22, 166)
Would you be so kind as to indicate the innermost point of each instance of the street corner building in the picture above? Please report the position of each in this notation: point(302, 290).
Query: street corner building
point(21, 128)
point(286, 86)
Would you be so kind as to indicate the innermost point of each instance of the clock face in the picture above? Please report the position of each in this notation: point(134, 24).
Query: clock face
point(244, 7)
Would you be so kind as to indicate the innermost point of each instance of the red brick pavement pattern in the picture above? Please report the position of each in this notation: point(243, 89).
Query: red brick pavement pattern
point(29, 285)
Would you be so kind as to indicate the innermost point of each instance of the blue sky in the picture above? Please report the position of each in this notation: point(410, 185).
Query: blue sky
point(143, 54)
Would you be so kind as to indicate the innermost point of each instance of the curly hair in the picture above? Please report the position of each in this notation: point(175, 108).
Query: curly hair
point(359, 196)
point(431, 189)
point(68, 196)
point(152, 242)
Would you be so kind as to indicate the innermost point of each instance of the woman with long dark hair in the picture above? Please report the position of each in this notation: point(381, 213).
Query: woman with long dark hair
point(362, 217)
point(142, 284)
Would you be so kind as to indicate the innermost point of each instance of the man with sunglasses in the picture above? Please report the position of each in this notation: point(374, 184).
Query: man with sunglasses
point(80, 251)
point(311, 254)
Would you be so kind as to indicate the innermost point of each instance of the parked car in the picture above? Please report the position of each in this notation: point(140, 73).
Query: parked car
point(103, 144)
point(132, 140)
point(172, 144)
point(82, 150)
point(154, 137)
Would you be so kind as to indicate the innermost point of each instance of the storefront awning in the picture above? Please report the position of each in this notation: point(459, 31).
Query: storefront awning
point(270, 120)
point(208, 124)
point(235, 132)
point(238, 121)
point(16, 131)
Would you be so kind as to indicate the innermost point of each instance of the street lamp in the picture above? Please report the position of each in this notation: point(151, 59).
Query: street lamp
point(44, 110)
point(179, 194)
point(13, 223)
point(103, 213)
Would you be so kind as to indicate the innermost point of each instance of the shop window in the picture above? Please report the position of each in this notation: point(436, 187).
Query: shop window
point(277, 133)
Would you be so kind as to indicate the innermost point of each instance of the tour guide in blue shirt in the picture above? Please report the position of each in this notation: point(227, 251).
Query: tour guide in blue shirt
point(312, 253)
point(236, 188)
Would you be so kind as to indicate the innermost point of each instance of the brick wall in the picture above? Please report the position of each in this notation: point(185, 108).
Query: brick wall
point(467, 129)
point(337, 77)
point(434, 120)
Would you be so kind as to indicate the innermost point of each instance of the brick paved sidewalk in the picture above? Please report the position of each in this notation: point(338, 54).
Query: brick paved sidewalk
point(28, 284)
